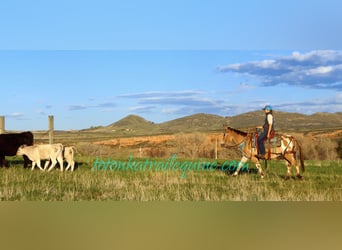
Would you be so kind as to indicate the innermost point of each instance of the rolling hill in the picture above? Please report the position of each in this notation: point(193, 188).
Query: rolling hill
point(285, 121)
point(133, 125)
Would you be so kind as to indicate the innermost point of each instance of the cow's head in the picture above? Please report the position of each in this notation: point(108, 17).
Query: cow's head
point(20, 150)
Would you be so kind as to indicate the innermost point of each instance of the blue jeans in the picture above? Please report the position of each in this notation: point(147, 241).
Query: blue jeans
point(261, 145)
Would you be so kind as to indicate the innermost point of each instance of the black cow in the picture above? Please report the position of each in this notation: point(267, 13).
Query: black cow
point(9, 144)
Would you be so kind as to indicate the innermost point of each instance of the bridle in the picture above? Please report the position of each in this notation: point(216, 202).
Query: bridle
point(237, 144)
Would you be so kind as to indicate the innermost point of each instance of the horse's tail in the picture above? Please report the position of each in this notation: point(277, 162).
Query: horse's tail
point(301, 157)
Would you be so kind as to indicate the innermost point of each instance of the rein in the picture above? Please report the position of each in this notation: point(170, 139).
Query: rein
point(237, 144)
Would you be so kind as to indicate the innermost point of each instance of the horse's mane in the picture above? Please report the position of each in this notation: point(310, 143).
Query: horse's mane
point(238, 131)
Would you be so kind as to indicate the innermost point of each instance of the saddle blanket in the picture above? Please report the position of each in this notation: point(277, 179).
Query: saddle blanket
point(274, 142)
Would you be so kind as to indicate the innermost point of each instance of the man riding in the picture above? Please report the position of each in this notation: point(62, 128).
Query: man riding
point(268, 130)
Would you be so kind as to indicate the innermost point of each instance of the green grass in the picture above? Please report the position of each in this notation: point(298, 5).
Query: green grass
point(322, 182)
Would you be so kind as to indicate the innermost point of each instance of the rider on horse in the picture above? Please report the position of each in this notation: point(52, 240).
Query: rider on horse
point(268, 131)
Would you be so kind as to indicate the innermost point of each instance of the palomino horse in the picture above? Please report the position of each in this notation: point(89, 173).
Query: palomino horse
point(287, 150)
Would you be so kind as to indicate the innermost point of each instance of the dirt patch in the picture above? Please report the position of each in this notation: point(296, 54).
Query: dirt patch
point(152, 140)
point(135, 141)
point(316, 145)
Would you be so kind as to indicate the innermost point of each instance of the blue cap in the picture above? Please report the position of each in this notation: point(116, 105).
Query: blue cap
point(267, 107)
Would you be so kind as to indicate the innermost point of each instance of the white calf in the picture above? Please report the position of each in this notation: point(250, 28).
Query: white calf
point(68, 154)
point(36, 153)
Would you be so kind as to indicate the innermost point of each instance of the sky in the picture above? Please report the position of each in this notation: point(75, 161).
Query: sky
point(91, 63)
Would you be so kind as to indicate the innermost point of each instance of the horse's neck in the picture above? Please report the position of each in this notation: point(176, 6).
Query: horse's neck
point(239, 138)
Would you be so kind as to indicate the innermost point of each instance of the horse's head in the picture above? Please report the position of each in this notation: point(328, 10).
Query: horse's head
point(227, 138)
point(232, 136)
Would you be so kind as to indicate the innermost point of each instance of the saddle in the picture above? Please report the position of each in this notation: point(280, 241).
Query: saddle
point(270, 144)
point(274, 140)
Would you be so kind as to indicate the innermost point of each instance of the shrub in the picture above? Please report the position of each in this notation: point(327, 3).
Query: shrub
point(339, 148)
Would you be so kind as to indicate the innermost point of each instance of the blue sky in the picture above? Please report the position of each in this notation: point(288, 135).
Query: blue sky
point(91, 63)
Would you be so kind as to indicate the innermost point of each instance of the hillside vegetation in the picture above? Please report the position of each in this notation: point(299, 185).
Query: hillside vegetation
point(136, 125)
point(199, 135)
point(187, 140)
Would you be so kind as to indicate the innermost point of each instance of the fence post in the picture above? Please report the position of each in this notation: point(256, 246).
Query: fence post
point(216, 149)
point(51, 129)
point(2, 124)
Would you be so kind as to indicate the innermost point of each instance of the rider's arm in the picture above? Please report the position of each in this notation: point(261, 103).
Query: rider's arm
point(270, 123)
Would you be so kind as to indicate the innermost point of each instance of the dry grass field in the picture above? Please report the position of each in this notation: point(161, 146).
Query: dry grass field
point(322, 179)
point(322, 182)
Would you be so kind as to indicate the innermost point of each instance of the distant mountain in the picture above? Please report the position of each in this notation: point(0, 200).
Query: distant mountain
point(135, 125)
point(317, 121)
point(197, 122)
point(285, 121)
point(131, 124)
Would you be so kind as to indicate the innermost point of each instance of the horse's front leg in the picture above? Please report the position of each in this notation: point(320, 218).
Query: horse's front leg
point(258, 165)
point(288, 173)
point(241, 163)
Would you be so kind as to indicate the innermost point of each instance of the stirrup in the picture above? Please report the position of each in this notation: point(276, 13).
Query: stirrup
point(260, 156)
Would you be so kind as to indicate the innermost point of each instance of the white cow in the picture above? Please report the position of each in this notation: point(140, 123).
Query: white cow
point(36, 153)
point(68, 154)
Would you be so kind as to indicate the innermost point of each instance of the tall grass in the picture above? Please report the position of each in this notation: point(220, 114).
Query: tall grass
point(322, 182)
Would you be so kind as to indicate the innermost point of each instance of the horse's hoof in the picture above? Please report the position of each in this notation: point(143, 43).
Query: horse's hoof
point(262, 175)
point(235, 174)
point(299, 177)
point(287, 177)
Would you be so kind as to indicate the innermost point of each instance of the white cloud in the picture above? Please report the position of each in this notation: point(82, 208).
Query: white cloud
point(177, 102)
point(153, 94)
point(77, 107)
point(105, 106)
point(15, 115)
point(142, 109)
point(331, 104)
point(320, 69)
point(246, 86)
